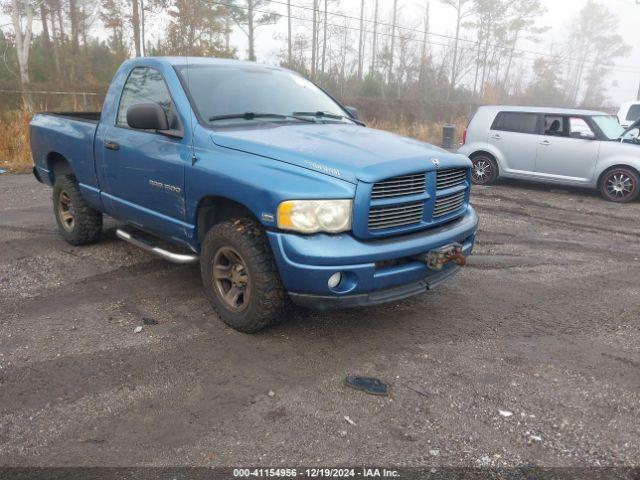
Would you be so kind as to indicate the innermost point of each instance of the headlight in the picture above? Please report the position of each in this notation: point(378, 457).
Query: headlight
point(311, 216)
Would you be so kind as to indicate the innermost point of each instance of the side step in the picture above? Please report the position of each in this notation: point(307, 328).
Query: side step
point(161, 252)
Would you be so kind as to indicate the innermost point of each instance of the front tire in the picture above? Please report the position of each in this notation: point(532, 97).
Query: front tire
point(485, 170)
point(78, 223)
point(620, 185)
point(240, 277)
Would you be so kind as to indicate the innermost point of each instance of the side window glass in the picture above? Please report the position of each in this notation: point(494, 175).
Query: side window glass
point(553, 125)
point(634, 113)
point(145, 85)
point(579, 128)
point(516, 122)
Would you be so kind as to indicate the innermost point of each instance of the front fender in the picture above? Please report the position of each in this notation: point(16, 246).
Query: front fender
point(258, 183)
point(619, 158)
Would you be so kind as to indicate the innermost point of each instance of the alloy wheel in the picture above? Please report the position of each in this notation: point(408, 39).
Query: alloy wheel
point(482, 170)
point(620, 185)
point(66, 211)
point(231, 279)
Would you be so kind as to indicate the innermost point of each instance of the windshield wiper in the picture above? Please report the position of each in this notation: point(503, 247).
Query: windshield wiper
point(330, 115)
point(322, 114)
point(254, 115)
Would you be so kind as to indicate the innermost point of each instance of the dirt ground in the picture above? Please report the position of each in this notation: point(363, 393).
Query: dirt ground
point(544, 325)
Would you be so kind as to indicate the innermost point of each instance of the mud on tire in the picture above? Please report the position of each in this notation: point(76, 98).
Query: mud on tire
point(78, 223)
point(240, 277)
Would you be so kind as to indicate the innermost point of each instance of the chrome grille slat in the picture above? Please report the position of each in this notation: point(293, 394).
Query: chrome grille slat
point(450, 178)
point(448, 204)
point(400, 186)
point(395, 216)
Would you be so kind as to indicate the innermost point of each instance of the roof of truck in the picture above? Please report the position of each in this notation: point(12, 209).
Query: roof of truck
point(184, 61)
point(568, 111)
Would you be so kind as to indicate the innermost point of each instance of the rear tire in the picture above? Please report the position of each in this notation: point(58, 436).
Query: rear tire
point(485, 169)
point(620, 185)
point(78, 223)
point(240, 276)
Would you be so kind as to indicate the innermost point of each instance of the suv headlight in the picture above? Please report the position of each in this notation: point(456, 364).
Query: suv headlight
point(311, 216)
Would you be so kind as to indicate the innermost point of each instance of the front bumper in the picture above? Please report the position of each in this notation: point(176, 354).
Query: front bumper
point(373, 272)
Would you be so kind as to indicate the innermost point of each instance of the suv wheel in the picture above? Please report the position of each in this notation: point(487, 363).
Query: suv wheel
point(240, 276)
point(620, 185)
point(78, 223)
point(485, 170)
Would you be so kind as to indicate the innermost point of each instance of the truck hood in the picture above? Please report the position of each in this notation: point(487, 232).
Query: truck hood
point(348, 152)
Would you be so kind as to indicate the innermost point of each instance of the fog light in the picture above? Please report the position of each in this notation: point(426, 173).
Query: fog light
point(334, 280)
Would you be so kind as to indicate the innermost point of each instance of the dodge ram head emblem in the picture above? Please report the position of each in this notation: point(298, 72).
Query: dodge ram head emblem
point(436, 162)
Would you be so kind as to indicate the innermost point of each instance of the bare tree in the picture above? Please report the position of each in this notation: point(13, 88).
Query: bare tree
point(289, 40)
point(393, 41)
point(361, 41)
point(464, 9)
point(22, 13)
point(375, 38)
point(248, 16)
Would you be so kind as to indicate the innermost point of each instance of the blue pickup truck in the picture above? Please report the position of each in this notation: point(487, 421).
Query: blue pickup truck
point(275, 188)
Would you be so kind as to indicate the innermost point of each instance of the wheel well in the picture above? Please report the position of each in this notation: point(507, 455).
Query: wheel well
point(613, 167)
point(214, 210)
point(57, 165)
point(482, 152)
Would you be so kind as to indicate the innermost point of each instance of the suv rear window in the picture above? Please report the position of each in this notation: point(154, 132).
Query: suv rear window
point(516, 122)
point(634, 112)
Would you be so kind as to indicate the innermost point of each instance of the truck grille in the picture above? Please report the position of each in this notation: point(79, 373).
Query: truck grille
point(450, 178)
point(395, 216)
point(449, 204)
point(399, 186)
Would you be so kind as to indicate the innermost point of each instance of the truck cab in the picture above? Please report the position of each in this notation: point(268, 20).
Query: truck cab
point(275, 188)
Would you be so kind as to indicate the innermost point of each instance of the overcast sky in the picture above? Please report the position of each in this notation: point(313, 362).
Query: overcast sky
point(623, 84)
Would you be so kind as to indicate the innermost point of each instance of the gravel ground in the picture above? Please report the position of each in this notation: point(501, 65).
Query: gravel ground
point(543, 325)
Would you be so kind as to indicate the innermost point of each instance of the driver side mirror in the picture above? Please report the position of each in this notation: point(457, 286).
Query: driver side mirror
point(150, 116)
point(353, 112)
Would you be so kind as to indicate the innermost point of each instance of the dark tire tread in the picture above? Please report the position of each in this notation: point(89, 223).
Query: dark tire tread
point(269, 300)
point(88, 222)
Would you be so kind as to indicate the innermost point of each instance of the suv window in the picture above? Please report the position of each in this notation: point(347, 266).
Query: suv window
point(516, 122)
point(145, 85)
point(553, 125)
point(579, 127)
point(634, 112)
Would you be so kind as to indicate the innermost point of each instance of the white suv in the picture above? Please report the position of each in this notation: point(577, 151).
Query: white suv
point(571, 147)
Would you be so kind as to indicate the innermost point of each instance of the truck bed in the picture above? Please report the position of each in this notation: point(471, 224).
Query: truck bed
point(93, 117)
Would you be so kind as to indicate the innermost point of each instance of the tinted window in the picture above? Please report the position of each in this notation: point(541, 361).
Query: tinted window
point(516, 122)
point(634, 113)
point(145, 85)
point(553, 125)
point(235, 89)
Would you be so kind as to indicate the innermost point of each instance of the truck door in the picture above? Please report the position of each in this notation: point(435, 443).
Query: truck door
point(568, 149)
point(514, 135)
point(143, 171)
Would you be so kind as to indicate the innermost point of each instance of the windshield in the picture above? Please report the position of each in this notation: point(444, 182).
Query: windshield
point(609, 126)
point(221, 91)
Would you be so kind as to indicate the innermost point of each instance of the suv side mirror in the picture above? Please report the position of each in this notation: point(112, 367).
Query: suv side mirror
point(353, 112)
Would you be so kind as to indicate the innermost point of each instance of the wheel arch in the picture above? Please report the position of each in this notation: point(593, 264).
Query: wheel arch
point(57, 164)
point(214, 209)
point(636, 170)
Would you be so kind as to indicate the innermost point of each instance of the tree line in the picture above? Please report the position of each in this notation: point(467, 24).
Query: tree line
point(383, 51)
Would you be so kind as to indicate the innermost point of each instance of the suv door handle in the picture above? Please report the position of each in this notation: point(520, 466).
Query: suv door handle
point(545, 142)
point(111, 145)
point(497, 136)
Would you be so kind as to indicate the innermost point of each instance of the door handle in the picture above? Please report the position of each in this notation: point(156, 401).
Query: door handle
point(497, 136)
point(545, 142)
point(111, 145)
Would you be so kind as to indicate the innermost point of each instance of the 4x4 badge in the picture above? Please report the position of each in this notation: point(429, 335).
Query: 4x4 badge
point(436, 162)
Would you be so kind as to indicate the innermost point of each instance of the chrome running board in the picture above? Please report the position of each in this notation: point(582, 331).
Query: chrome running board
point(144, 244)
